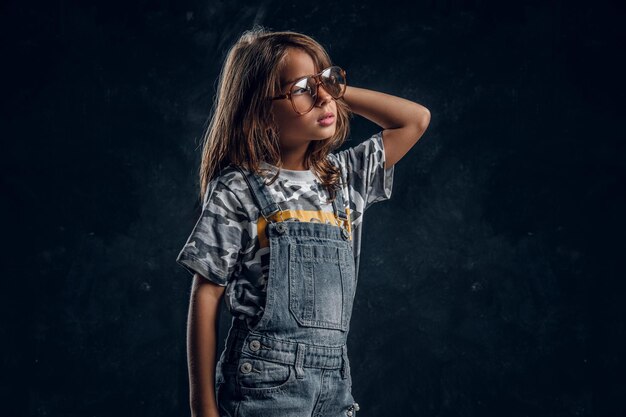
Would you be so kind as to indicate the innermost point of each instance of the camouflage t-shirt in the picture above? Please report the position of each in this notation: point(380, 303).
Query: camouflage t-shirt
point(228, 244)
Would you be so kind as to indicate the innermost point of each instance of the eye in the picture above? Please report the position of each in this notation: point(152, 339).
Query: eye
point(301, 87)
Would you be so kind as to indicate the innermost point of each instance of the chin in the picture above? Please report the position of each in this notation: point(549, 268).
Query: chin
point(330, 131)
point(325, 137)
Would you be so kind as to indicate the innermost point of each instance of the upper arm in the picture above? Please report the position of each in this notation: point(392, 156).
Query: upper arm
point(204, 286)
point(367, 180)
point(220, 237)
point(399, 141)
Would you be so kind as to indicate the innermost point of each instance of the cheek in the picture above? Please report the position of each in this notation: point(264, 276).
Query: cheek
point(282, 115)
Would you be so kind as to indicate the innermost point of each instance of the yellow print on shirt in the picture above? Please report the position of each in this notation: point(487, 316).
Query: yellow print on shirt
point(311, 216)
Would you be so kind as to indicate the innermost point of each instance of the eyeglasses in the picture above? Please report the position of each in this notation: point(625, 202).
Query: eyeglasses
point(303, 93)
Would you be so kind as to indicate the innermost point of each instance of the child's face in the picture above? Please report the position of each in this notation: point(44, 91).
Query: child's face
point(296, 131)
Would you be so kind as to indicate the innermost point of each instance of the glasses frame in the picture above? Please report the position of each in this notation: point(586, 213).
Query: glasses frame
point(318, 81)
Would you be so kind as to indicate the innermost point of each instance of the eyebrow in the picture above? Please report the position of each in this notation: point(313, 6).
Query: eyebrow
point(294, 80)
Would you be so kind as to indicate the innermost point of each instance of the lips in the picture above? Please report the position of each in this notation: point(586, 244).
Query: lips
point(325, 116)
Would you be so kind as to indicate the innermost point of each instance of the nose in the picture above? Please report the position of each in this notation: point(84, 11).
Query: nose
point(323, 96)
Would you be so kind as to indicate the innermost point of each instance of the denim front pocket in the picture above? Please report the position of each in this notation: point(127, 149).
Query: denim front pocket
point(321, 285)
point(257, 376)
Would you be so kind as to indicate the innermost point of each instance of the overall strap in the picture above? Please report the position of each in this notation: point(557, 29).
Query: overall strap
point(338, 202)
point(268, 206)
point(262, 198)
point(339, 205)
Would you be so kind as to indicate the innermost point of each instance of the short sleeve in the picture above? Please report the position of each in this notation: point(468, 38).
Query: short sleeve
point(219, 236)
point(364, 164)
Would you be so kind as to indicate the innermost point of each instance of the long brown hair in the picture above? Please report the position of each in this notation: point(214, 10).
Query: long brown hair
point(242, 130)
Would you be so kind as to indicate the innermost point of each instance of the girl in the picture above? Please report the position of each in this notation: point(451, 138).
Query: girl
point(280, 229)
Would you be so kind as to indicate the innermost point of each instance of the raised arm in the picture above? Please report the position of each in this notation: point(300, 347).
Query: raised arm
point(202, 345)
point(404, 122)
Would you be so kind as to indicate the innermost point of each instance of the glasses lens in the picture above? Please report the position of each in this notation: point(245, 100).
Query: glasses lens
point(334, 82)
point(304, 92)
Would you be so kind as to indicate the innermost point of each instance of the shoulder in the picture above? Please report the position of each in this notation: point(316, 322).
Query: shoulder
point(369, 148)
point(232, 179)
point(229, 190)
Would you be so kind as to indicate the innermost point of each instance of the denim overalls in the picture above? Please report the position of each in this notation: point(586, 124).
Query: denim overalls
point(294, 361)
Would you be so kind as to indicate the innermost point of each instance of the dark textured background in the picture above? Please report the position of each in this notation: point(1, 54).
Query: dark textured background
point(491, 283)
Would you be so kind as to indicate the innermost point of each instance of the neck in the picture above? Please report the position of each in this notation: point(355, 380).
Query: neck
point(293, 158)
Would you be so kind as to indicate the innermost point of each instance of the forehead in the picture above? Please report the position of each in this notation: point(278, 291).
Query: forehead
point(297, 64)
